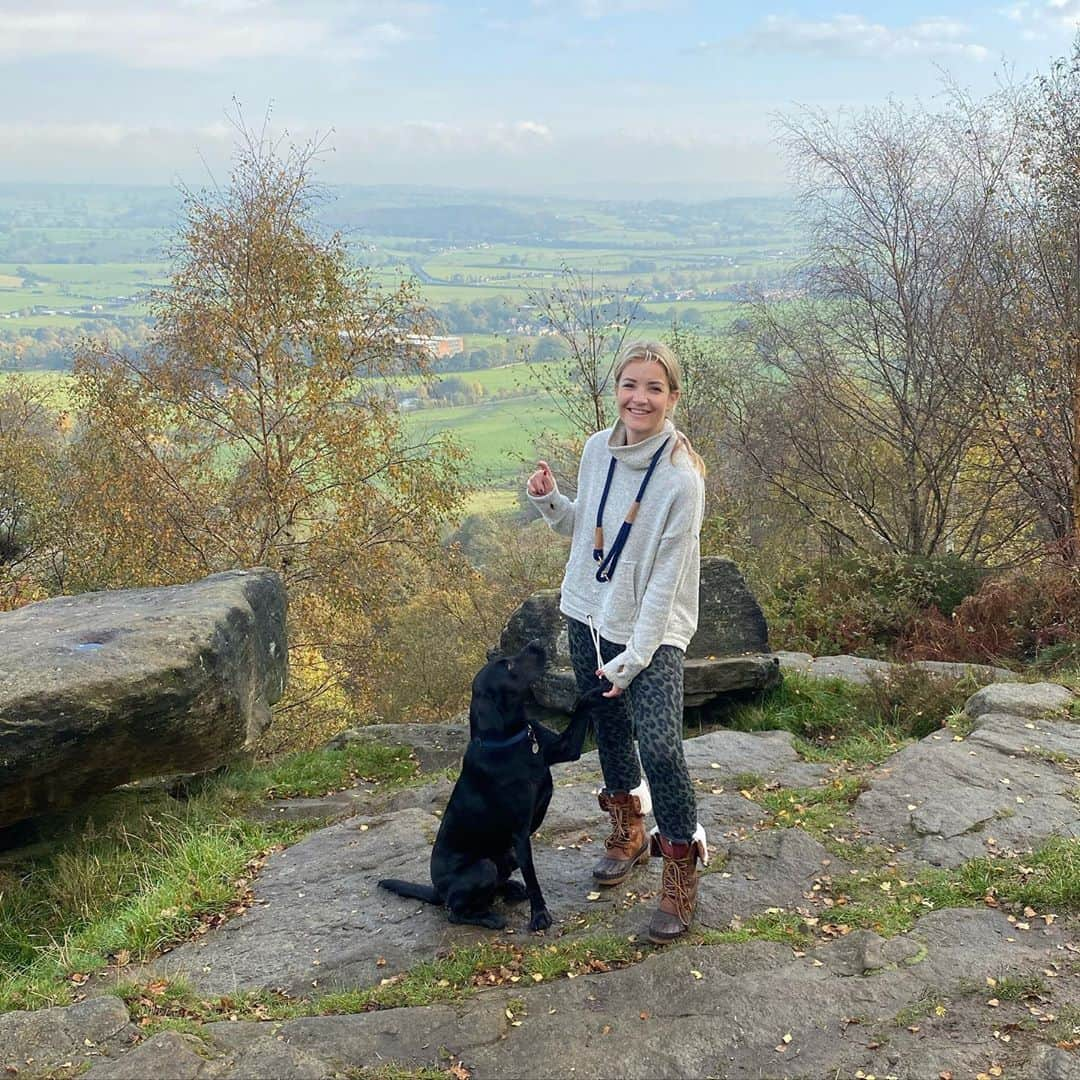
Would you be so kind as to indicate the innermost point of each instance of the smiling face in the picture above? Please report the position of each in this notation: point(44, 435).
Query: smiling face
point(644, 398)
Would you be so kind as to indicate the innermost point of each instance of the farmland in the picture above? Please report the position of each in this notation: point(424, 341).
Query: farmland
point(80, 262)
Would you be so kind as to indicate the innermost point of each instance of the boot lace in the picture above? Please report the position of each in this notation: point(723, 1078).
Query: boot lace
point(677, 883)
point(620, 825)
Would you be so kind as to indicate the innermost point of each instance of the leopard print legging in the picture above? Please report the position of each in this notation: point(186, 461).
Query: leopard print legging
point(652, 708)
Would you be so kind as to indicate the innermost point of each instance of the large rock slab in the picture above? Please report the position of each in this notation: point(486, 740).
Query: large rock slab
point(103, 688)
point(319, 921)
point(1004, 787)
point(862, 669)
point(44, 1039)
point(1029, 700)
point(730, 650)
point(740, 1011)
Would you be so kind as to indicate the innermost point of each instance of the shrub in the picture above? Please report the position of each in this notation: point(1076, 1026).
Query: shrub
point(1026, 616)
point(865, 604)
point(858, 723)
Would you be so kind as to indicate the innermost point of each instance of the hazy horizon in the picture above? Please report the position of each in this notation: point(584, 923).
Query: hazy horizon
point(590, 98)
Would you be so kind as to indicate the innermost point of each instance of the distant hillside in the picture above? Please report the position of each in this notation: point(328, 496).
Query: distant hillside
point(460, 223)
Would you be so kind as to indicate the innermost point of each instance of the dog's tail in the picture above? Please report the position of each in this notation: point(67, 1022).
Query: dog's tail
point(414, 892)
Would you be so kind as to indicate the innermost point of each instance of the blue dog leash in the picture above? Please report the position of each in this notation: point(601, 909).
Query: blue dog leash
point(501, 744)
point(611, 560)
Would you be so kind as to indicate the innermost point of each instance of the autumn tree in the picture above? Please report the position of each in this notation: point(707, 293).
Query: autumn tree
point(30, 452)
point(255, 428)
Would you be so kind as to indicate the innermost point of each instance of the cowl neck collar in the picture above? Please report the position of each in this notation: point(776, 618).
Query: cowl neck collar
point(640, 454)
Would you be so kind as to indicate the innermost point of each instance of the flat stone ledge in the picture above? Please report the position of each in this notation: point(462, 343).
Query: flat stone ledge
point(1029, 700)
point(861, 669)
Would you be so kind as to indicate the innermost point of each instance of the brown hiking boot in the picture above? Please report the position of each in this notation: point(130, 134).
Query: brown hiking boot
point(678, 894)
point(628, 843)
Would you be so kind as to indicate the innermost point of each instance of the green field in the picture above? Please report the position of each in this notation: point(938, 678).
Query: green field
point(502, 437)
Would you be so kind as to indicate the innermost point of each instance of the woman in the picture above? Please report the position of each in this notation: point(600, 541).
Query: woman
point(630, 597)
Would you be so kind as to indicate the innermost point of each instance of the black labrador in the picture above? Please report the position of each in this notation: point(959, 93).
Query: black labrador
point(500, 798)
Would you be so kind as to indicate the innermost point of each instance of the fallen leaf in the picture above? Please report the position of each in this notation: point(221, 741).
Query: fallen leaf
point(537, 977)
point(605, 1030)
point(696, 974)
point(643, 1015)
point(459, 1072)
point(993, 1003)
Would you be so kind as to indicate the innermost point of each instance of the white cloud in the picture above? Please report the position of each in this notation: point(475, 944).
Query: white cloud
point(526, 155)
point(602, 9)
point(855, 35)
point(1041, 17)
point(197, 33)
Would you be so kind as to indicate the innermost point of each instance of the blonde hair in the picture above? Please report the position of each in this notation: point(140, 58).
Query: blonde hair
point(659, 353)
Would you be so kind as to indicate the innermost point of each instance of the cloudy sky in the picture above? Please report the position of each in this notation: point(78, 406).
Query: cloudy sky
point(568, 96)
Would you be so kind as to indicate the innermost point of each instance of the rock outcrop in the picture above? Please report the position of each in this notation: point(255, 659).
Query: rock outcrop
point(100, 689)
point(861, 670)
point(730, 650)
point(962, 991)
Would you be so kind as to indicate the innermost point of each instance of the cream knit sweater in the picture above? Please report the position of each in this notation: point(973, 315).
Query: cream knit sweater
point(652, 598)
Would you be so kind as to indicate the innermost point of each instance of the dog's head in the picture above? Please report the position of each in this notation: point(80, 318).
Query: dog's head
point(498, 691)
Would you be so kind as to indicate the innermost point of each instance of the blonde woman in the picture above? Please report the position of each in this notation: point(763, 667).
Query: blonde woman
point(630, 597)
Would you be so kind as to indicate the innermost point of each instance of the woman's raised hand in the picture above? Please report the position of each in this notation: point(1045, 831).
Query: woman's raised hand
point(541, 482)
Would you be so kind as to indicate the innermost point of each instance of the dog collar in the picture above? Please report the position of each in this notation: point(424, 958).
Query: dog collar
point(501, 744)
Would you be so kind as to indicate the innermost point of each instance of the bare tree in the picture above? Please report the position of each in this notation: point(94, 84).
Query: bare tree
point(592, 321)
point(1024, 309)
point(857, 406)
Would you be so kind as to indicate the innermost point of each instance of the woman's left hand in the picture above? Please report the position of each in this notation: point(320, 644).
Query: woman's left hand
point(614, 692)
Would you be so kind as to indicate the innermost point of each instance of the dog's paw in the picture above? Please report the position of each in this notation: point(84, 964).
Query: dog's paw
point(541, 920)
point(514, 892)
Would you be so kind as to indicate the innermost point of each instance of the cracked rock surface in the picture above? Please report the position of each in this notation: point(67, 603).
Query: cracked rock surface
point(919, 1003)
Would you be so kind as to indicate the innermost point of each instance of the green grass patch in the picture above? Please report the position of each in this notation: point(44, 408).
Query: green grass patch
point(819, 811)
point(317, 772)
point(499, 435)
point(391, 1070)
point(1018, 987)
point(774, 924)
point(837, 721)
point(459, 975)
point(140, 869)
point(928, 1004)
point(889, 900)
